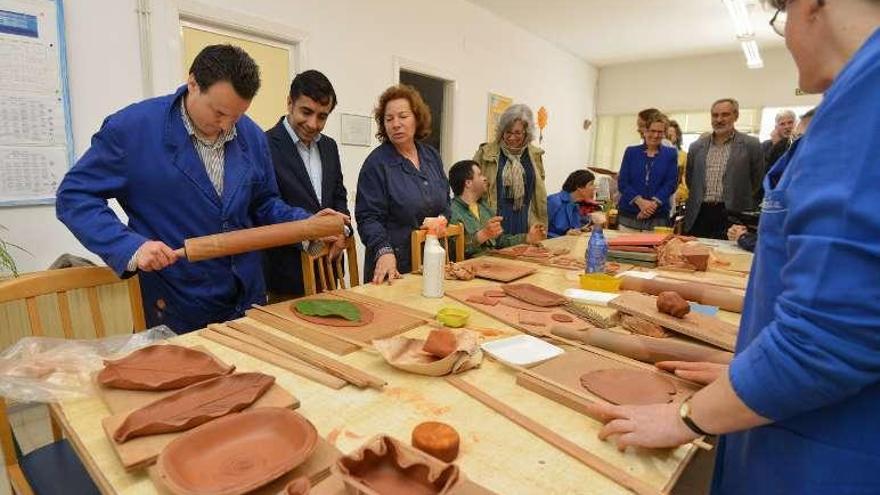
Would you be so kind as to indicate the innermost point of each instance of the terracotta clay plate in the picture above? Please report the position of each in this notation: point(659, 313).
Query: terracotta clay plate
point(237, 453)
point(161, 367)
point(628, 386)
point(334, 321)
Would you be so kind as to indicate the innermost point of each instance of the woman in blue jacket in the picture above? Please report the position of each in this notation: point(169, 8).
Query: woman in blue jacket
point(401, 182)
point(648, 177)
point(798, 404)
point(562, 207)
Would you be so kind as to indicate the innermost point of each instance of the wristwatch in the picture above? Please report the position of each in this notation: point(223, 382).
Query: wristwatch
point(684, 412)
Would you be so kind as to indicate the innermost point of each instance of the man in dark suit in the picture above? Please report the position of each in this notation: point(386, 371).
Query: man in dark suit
point(724, 172)
point(309, 174)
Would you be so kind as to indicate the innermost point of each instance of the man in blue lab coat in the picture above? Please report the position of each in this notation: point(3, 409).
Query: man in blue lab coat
point(798, 404)
point(183, 165)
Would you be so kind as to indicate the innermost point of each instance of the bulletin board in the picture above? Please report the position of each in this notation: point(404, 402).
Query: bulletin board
point(36, 140)
point(275, 60)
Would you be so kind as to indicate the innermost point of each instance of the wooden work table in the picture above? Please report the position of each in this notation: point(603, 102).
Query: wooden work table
point(495, 452)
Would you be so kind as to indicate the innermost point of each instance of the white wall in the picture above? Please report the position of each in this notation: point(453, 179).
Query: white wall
point(356, 44)
point(692, 83)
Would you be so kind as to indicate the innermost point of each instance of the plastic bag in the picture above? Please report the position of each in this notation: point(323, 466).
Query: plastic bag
point(48, 369)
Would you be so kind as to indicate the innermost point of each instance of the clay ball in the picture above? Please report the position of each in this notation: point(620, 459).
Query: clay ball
point(672, 303)
point(437, 439)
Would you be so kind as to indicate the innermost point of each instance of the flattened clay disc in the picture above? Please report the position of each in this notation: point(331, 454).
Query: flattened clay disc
point(562, 318)
point(337, 321)
point(629, 387)
point(494, 293)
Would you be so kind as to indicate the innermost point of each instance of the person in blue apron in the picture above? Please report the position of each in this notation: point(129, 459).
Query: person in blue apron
point(798, 404)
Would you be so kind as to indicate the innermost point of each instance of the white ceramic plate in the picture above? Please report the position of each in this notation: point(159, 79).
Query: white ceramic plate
point(521, 350)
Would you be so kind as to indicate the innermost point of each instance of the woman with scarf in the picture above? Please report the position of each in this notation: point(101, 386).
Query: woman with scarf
point(515, 171)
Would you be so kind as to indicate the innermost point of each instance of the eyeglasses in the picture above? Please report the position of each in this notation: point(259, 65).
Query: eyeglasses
point(777, 22)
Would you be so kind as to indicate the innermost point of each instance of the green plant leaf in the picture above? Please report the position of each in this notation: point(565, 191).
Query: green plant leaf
point(328, 307)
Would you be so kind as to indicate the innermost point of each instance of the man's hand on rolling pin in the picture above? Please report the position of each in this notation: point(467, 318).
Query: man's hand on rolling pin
point(154, 256)
point(386, 267)
point(331, 211)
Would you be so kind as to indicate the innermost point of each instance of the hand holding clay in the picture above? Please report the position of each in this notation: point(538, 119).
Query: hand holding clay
point(491, 231)
point(386, 268)
point(537, 233)
point(672, 303)
point(699, 372)
point(154, 256)
point(651, 426)
point(735, 232)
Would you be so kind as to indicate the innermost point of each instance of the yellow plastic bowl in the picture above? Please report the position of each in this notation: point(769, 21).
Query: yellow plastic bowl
point(599, 281)
point(453, 317)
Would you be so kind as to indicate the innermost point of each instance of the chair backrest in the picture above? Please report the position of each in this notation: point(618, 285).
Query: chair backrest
point(39, 303)
point(456, 231)
point(321, 274)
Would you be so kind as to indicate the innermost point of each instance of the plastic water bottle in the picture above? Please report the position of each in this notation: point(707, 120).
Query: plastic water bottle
point(434, 259)
point(597, 251)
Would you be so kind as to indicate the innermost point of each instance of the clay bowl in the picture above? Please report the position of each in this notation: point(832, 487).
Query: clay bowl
point(237, 453)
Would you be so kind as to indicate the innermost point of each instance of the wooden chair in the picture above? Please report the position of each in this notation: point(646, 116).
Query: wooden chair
point(320, 274)
point(36, 304)
point(456, 231)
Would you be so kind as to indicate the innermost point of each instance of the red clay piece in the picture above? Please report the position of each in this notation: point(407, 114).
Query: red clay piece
point(488, 301)
point(672, 303)
point(494, 293)
point(629, 387)
point(437, 439)
point(237, 453)
point(441, 343)
point(195, 405)
point(299, 486)
point(533, 294)
point(562, 317)
point(161, 367)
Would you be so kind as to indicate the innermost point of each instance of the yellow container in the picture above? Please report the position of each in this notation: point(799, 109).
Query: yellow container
point(453, 317)
point(599, 281)
point(663, 230)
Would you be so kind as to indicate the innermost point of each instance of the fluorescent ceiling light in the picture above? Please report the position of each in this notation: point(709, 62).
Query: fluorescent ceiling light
point(753, 56)
point(742, 24)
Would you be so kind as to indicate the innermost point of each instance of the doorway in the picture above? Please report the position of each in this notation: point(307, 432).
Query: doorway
point(437, 95)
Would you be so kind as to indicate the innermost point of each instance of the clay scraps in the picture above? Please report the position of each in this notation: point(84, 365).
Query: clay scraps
point(195, 405)
point(161, 367)
point(410, 355)
point(641, 326)
point(628, 386)
point(460, 271)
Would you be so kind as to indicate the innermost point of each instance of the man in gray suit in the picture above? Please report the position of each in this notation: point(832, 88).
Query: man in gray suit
point(724, 171)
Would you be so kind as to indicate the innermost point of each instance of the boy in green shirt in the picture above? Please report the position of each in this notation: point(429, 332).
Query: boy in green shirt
point(482, 227)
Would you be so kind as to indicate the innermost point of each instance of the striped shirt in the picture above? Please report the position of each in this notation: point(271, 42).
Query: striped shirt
point(716, 164)
point(212, 154)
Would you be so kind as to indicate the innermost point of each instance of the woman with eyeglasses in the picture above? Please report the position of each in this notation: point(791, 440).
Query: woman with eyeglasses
point(514, 169)
point(647, 179)
point(798, 404)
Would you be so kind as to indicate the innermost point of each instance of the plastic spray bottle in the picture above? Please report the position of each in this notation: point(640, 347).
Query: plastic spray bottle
point(433, 260)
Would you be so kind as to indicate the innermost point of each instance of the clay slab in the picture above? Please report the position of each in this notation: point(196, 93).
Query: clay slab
point(161, 367)
point(629, 387)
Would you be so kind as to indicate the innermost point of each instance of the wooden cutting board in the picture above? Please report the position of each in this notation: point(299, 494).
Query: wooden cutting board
point(316, 468)
point(335, 486)
point(699, 326)
point(499, 271)
point(512, 316)
point(387, 322)
point(567, 369)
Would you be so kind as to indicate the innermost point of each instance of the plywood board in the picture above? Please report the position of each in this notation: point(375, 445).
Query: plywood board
point(386, 322)
point(316, 468)
point(566, 370)
point(514, 316)
point(699, 326)
point(302, 332)
point(499, 271)
point(334, 485)
point(140, 452)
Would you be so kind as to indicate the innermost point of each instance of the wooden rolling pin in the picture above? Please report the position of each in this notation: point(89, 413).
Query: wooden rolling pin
point(646, 349)
point(257, 238)
point(727, 299)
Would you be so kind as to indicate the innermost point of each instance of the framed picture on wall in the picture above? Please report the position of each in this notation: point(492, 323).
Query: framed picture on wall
point(497, 105)
point(356, 130)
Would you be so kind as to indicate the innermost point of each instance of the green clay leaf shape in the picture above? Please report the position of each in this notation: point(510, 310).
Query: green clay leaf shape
point(329, 307)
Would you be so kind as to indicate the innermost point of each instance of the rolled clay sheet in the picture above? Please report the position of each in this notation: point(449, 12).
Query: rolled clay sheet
point(726, 299)
point(258, 238)
point(406, 354)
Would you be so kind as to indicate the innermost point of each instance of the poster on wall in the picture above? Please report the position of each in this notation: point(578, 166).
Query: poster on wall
point(36, 145)
point(497, 105)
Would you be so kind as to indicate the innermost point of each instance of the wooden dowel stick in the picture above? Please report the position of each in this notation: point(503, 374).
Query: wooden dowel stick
point(587, 458)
